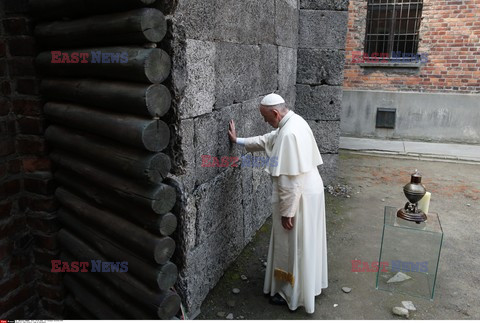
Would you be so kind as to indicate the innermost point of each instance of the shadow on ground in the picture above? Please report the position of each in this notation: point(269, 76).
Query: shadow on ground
point(354, 230)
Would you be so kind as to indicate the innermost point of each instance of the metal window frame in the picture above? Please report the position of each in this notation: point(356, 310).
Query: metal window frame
point(393, 6)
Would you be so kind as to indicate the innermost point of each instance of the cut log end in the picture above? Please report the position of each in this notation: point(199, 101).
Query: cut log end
point(154, 25)
point(167, 277)
point(156, 136)
point(164, 250)
point(169, 306)
point(164, 200)
point(168, 224)
point(158, 100)
point(157, 66)
point(160, 166)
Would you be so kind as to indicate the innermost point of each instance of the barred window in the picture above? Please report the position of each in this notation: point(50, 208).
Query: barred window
point(392, 27)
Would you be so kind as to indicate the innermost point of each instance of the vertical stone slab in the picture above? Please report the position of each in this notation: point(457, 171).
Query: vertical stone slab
point(287, 74)
point(198, 96)
point(322, 102)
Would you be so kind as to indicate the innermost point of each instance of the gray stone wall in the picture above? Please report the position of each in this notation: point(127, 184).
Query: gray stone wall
point(321, 56)
point(227, 54)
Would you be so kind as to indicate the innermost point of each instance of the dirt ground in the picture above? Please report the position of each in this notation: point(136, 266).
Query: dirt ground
point(354, 231)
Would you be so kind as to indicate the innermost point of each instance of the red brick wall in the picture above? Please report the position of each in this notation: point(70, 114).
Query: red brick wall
point(27, 209)
point(449, 34)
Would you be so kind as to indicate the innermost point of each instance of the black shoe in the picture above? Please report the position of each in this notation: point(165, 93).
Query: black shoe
point(277, 300)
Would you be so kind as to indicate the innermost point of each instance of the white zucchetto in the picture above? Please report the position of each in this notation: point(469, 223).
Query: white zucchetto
point(272, 99)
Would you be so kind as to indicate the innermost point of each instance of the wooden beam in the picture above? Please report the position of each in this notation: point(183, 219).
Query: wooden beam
point(148, 100)
point(139, 164)
point(120, 231)
point(49, 9)
point(165, 304)
point(157, 224)
point(136, 64)
point(95, 304)
point(160, 197)
point(145, 25)
point(141, 133)
point(164, 276)
point(75, 311)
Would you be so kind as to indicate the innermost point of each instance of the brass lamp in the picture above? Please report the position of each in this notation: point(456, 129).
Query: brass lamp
point(414, 191)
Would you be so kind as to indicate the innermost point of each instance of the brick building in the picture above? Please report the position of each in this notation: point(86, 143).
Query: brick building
point(435, 94)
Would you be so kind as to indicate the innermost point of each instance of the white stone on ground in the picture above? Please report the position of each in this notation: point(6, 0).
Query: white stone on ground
point(400, 311)
point(346, 289)
point(409, 305)
point(399, 277)
point(235, 290)
point(229, 316)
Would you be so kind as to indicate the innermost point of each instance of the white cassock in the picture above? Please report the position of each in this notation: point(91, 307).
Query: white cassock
point(297, 258)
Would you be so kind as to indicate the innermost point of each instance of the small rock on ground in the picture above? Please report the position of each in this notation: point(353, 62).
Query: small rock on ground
point(221, 314)
point(409, 305)
point(243, 277)
point(346, 289)
point(236, 291)
point(399, 277)
point(229, 316)
point(400, 311)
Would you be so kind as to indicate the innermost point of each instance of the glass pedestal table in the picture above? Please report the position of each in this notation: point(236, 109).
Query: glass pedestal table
point(409, 255)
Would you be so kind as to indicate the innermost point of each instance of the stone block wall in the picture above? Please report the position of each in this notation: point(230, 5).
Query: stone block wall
point(321, 56)
point(227, 55)
point(28, 223)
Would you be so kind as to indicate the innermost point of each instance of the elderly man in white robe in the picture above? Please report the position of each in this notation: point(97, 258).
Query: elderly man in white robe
point(297, 256)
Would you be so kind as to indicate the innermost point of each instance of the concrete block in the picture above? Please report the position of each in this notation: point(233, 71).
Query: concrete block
point(287, 69)
point(237, 73)
point(321, 102)
point(196, 19)
point(324, 4)
point(266, 21)
point(199, 94)
point(254, 125)
point(184, 160)
point(268, 68)
point(219, 223)
point(329, 169)
point(244, 22)
point(262, 208)
point(322, 29)
point(223, 117)
point(327, 135)
point(286, 23)
point(206, 134)
point(320, 66)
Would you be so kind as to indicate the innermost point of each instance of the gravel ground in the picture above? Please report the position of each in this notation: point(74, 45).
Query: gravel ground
point(354, 229)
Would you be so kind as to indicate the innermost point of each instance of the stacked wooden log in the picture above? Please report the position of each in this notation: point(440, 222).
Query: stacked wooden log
point(107, 137)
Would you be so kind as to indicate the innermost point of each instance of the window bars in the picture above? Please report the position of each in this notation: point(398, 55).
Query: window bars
point(392, 27)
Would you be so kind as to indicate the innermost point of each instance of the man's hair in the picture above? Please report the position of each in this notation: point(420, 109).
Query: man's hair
point(282, 107)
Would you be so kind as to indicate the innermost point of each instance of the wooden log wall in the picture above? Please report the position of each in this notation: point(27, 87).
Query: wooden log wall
point(106, 137)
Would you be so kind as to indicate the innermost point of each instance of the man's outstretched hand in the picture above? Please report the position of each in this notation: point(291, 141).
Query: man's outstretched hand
point(287, 223)
point(231, 131)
